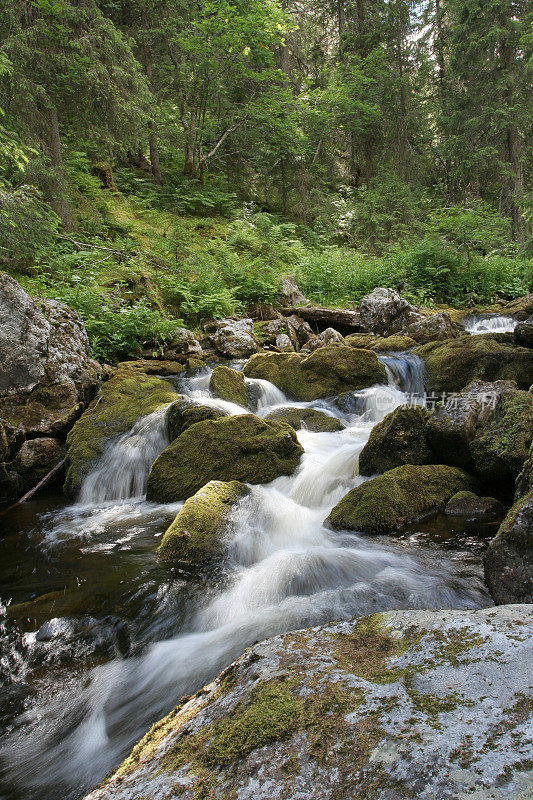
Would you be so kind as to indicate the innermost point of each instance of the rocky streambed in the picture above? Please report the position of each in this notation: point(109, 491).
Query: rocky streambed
point(320, 477)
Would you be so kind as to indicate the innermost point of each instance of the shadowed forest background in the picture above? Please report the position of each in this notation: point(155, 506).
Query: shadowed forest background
point(165, 160)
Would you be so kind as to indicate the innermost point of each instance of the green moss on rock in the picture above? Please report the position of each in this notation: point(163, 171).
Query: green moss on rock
point(398, 439)
point(454, 364)
point(381, 344)
point(128, 395)
point(228, 384)
point(309, 418)
point(325, 372)
point(242, 448)
point(400, 496)
point(195, 535)
point(185, 412)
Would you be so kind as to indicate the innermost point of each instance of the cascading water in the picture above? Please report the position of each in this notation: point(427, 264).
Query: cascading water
point(283, 570)
point(487, 323)
point(407, 371)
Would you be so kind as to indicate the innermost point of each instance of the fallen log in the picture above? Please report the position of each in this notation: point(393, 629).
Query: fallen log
point(47, 478)
point(342, 319)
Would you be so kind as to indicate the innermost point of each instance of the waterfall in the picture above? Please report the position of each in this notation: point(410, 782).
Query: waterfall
point(487, 323)
point(407, 371)
point(123, 468)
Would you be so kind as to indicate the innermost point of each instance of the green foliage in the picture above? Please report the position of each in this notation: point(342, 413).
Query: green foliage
point(27, 225)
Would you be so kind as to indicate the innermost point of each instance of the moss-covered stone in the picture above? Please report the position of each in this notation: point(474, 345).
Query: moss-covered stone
point(130, 394)
point(241, 448)
point(398, 439)
point(185, 412)
point(153, 366)
point(398, 497)
point(502, 447)
point(454, 364)
point(468, 504)
point(195, 535)
point(326, 372)
point(309, 418)
point(508, 560)
point(381, 344)
point(228, 384)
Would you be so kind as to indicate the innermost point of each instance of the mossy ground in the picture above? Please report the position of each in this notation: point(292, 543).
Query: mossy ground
point(399, 496)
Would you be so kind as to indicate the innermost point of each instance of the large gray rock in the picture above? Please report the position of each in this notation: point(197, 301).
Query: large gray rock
point(233, 338)
point(428, 704)
point(291, 293)
point(183, 343)
point(385, 312)
point(434, 328)
point(329, 336)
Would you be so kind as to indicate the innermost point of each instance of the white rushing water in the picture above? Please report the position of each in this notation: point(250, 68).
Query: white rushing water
point(284, 570)
point(487, 323)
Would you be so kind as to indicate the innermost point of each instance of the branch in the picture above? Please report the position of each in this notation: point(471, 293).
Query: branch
point(222, 140)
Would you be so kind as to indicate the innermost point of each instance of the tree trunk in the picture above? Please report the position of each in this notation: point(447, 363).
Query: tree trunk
point(59, 199)
point(516, 193)
point(154, 147)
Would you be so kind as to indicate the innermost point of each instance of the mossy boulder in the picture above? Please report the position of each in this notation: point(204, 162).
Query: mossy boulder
point(400, 496)
point(309, 418)
point(453, 364)
point(508, 561)
point(524, 481)
point(501, 448)
point(228, 384)
point(153, 367)
point(381, 344)
point(124, 398)
point(328, 371)
point(468, 504)
point(398, 439)
point(185, 412)
point(240, 448)
point(195, 535)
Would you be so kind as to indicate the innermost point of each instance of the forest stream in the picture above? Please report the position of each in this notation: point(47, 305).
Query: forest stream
point(99, 640)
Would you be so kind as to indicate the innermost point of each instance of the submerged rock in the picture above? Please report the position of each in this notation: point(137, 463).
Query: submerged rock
point(232, 338)
point(67, 640)
point(195, 535)
point(398, 439)
point(241, 448)
point(432, 704)
point(385, 312)
point(326, 372)
point(398, 497)
point(122, 400)
point(228, 384)
point(454, 364)
point(308, 418)
point(468, 504)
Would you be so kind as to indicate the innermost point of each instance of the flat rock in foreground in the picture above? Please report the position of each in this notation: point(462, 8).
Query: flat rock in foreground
point(429, 704)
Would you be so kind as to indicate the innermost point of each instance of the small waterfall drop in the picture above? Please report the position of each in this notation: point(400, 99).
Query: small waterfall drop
point(485, 323)
point(265, 394)
point(123, 469)
point(407, 371)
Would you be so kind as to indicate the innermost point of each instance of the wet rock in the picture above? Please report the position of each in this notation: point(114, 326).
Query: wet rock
point(508, 561)
point(521, 308)
point(468, 504)
point(65, 640)
point(329, 336)
point(384, 312)
point(228, 384)
point(10, 483)
point(433, 704)
point(35, 459)
point(184, 412)
point(437, 327)
point(291, 293)
point(400, 496)
point(128, 395)
point(381, 344)
point(399, 439)
point(308, 418)
point(328, 371)
point(454, 364)
point(153, 367)
point(232, 338)
point(341, 319)
point(11, 439)
point(242, 448)
point(524, 481)
point(298, 328)
point(523, 333)
point(196, 535)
